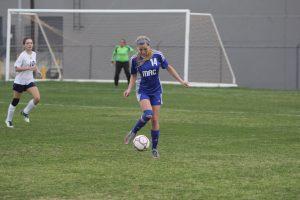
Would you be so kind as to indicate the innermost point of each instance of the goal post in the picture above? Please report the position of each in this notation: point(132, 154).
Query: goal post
point(210, 65)
point(76, 45)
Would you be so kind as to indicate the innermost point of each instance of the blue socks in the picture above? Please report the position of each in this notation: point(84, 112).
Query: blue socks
point(143, 120)
point(147, 115)
point(155, 136)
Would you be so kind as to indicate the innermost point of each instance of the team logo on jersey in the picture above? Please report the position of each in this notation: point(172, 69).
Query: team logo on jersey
point(150, 72)
point(32, 63)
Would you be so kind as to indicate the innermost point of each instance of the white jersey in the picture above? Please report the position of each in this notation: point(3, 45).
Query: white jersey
point(25, 60)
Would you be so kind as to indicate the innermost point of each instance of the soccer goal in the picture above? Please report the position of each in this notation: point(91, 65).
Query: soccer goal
point(76, 45)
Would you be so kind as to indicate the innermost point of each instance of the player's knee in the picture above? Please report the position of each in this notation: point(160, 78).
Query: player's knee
point(148, 114)
point(36, 99)
point(15, 102)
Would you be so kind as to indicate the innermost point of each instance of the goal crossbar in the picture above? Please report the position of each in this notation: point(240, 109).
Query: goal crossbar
point(98, 11)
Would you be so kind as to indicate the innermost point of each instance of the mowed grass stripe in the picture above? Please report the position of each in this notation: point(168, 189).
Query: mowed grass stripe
point(215, 144)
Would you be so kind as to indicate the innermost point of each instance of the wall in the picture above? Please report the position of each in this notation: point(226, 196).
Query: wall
point(260, 36)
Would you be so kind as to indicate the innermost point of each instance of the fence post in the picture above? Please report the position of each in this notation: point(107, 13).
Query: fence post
point(297, 67)
point(221, 65)
point(91, 62)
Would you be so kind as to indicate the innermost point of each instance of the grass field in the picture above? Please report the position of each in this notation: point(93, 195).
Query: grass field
point(215, 144)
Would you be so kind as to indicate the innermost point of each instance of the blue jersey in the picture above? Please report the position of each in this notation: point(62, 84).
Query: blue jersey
point(148, 81)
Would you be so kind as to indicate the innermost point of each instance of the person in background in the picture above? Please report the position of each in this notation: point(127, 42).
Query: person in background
point(120, 58)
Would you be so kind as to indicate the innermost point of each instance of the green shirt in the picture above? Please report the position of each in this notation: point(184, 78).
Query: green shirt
point(121, 54)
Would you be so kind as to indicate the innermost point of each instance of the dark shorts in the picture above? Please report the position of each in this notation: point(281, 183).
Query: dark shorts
point(21, 88)
point(155, 99)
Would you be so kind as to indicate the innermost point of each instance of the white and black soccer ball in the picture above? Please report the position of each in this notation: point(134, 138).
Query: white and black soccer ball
point(141, 142)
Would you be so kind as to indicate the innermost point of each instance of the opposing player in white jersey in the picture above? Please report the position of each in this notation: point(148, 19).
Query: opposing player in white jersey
point(25, 65)
point(146, 64)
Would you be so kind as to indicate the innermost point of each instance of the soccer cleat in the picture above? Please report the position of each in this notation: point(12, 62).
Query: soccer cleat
point(129, 137)
point(26, 116)
point(9, 124)
point(155, 153)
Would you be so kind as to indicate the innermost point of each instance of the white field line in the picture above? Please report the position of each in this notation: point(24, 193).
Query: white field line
point(167, 109)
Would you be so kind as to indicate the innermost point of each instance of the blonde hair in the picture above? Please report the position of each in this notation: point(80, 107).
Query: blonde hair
point(141, 40)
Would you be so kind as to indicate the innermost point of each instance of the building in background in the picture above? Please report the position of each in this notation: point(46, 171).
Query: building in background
point(261, 37)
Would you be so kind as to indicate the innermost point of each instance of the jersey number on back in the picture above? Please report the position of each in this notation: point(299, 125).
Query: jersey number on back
point(153, 61)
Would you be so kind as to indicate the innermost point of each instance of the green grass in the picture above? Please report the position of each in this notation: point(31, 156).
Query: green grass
point(215, 144)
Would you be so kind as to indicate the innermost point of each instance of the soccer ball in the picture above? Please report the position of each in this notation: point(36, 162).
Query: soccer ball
point(141, 142)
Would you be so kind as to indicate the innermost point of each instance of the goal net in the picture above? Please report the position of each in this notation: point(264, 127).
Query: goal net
point(77, 45)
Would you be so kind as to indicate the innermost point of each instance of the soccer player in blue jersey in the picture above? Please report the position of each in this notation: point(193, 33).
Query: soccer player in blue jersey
point(147, 63)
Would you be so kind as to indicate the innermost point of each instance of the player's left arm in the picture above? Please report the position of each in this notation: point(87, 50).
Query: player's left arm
point(36, 70)
point(174, 73)
point(131, 51)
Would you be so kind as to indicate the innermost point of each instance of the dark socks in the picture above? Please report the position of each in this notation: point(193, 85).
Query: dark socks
point(155, 136)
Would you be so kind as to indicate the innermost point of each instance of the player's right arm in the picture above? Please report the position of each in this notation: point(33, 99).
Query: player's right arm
point(113, 56)
point(133, 76)
point(130, 85)
point(26, 68)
